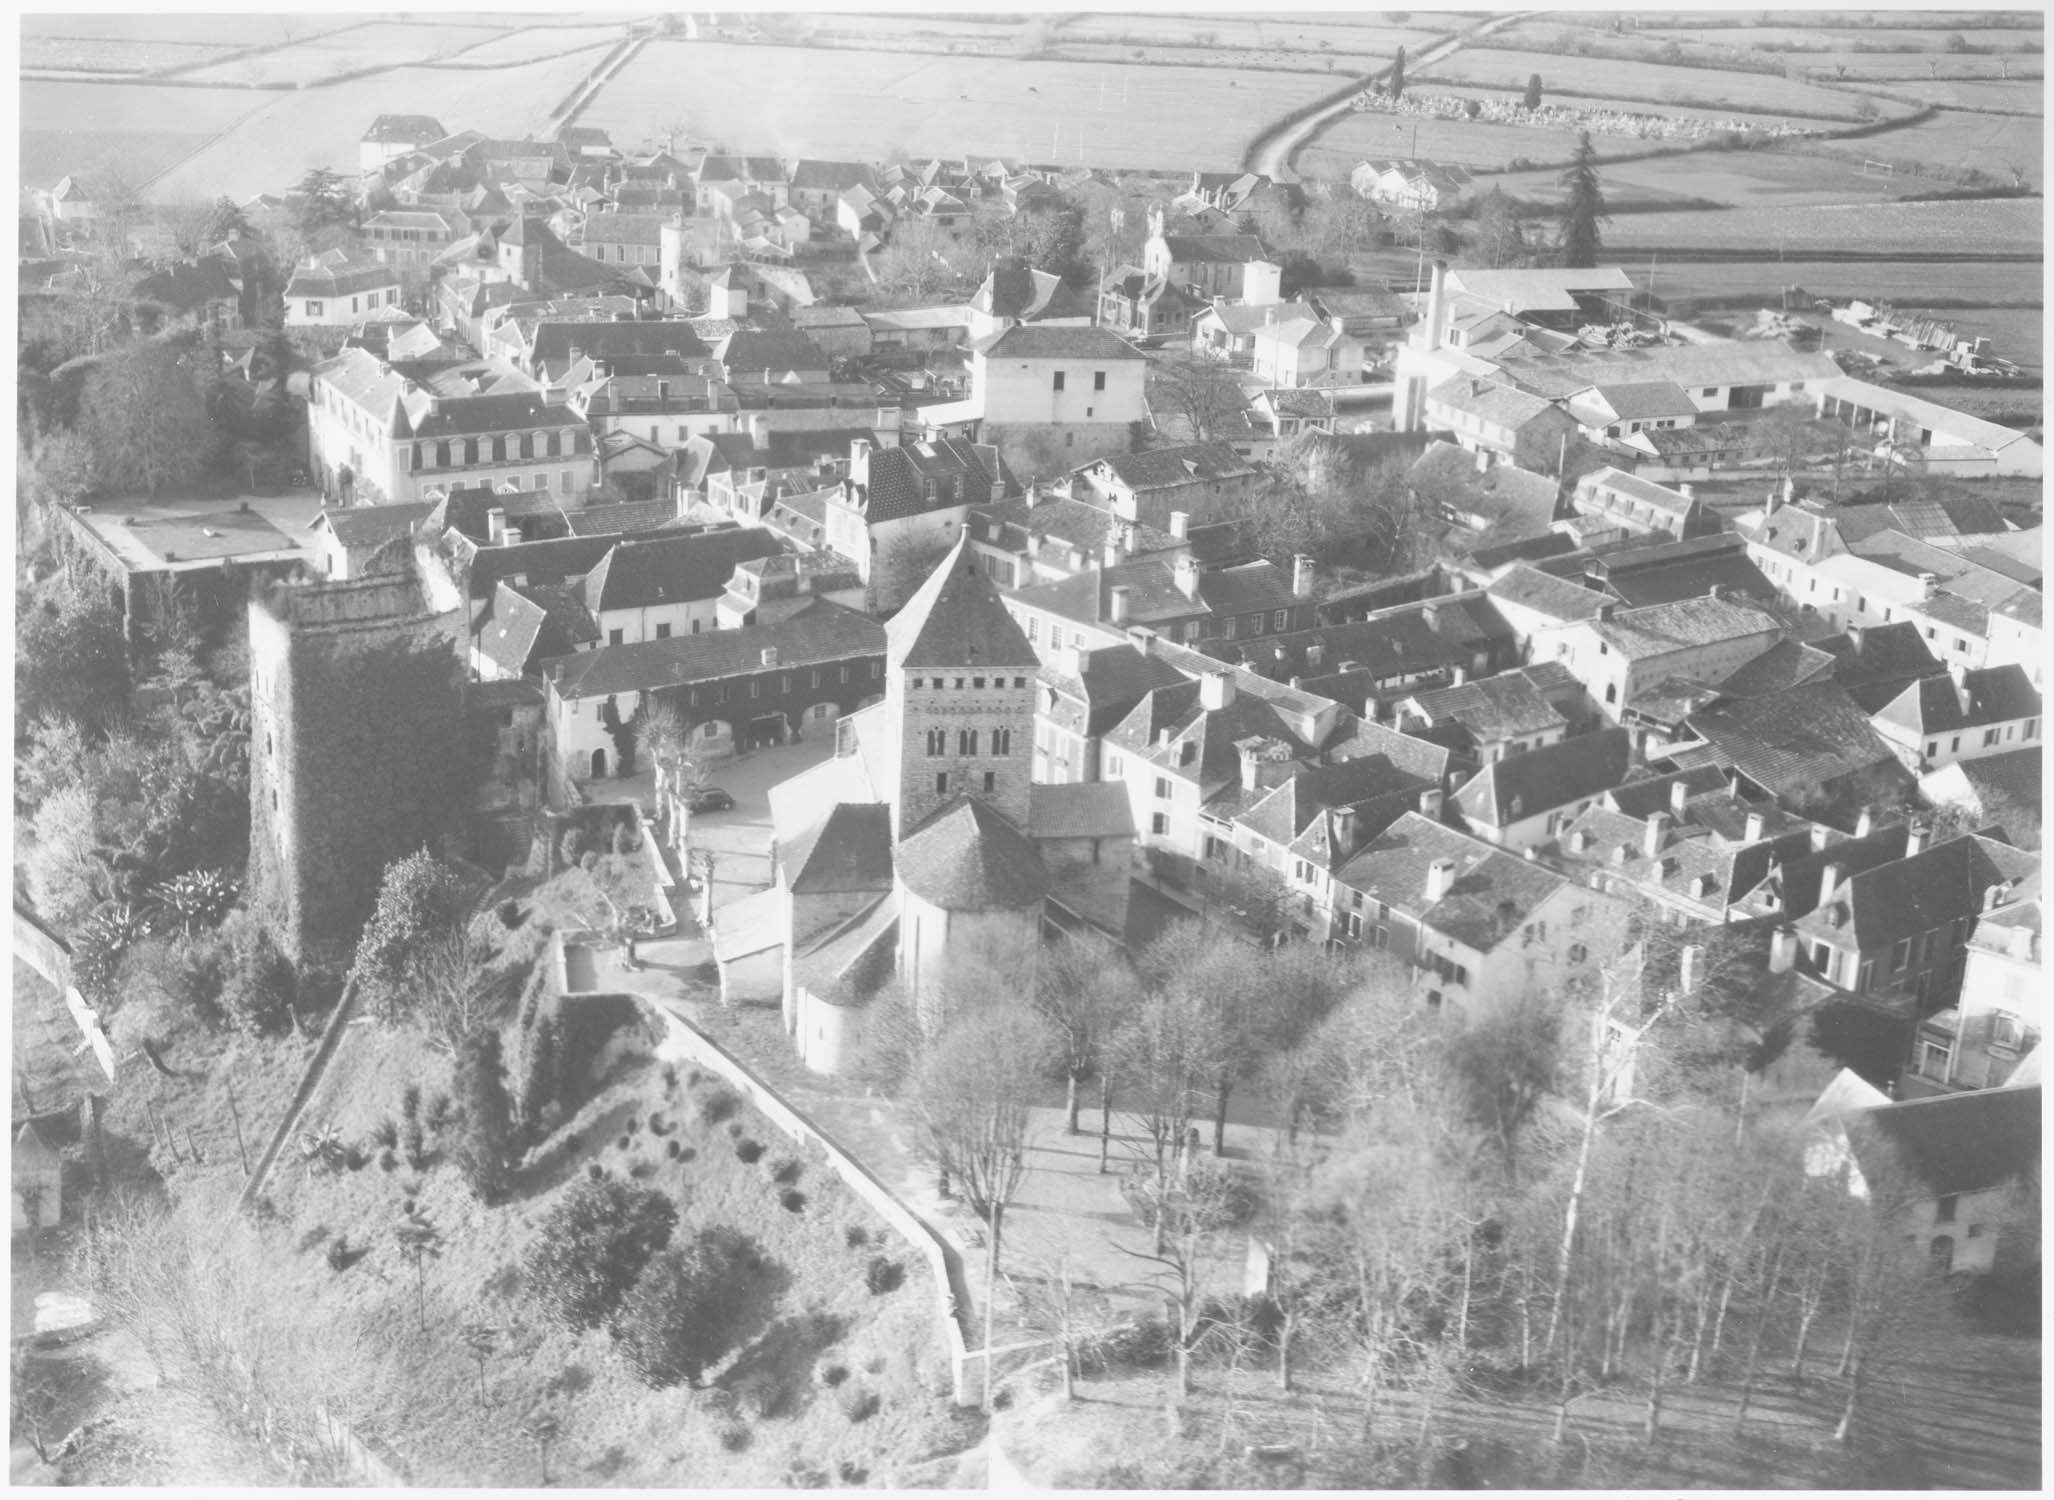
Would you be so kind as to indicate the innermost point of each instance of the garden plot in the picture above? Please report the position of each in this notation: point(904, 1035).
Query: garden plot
point(112, 55)
point(1606, 78)
point(532, 44)
point(1473, 144)
point(290, 133)
point(848, 103)
point(2026, 96)
point(1718, 115)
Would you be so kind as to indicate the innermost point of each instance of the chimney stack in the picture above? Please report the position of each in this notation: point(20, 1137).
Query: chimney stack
point(1436, 308)
point(1916, 838)
point(1656, 834)
point(1216, 690)
point(1301, 576)
point(1431, 802)
point(1115, 550)
point(1782, 950)
point(1687, 491)
point(1865, 824)
point(1959, 674)
point(859, 460)
point(1344, 830)
point(1439, 876)
point(1690, 969)
point(1116, 603)
point(1188, 571)
point(1831, 878)
point(770, 656)
point(495, 526)
point(1483, 460)
point(1679, 794)
point(1180, 524)
point(1756, 826)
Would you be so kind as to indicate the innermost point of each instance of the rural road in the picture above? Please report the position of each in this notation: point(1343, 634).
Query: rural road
point(1270, 153)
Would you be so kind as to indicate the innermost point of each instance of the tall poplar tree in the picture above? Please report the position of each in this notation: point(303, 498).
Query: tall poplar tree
point(1583, 207)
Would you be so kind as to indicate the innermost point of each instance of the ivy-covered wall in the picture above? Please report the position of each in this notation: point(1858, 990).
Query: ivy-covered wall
point(364, 753)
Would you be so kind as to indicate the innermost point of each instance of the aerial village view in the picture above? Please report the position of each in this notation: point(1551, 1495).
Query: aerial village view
point(1152, 751)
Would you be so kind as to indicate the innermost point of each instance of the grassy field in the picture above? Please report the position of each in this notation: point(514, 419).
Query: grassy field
point(1760, 93)
point(823, 101)
point(1807, 44)
point(1718, 113)
point(1477, 145)
point(1991, 225)
point(137, 129)
point(811, 1310)
point(112, 55)
point(289, 133)
point(2026, 96)
point(1775, 179)
point(181, 29)
point(1955, 140)
point(379, 44)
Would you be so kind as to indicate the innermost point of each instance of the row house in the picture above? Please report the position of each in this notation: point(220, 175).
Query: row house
point(1810, 746)
point(816, 187)
point(760, 685)
point(411, 240)
point(1638, 507)
point(1044, 538)
point(658, 399)
point(1962, 715)
point(1417, 184)
point(1524, 800)
point(1392, 654)
point(1504, 714)
point(1484, 413)
point(652, 588)
point(1979, 1041)
point(1236, 267)
point(1203, 482)
point(1304, 351)
point(549, 348)
point(392, 136)
point(1081, 693)
point(899, 503)
point(1139, 305)
point(1226, 331)
point(1898, 932)
point(1481, 929)
point(1617, 411)
point(376, 433)
point(623, 239)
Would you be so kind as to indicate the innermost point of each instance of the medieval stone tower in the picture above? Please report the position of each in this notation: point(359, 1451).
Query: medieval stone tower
point(358, 749)
point(959, 690)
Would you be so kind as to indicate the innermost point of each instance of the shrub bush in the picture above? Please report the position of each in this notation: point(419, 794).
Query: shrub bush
point(792, 1200)
point(718, 1105)
point(673, 1149)
point(859, 1404)
point(762, 1396)
point(834, 1375)
point(642, 1171)
point(593, 1246)
point(386, 1134)
point(688, 1153)
point(312, 1238)
point(682, 1314)
point(748, 1150)
point(596, 1172)
point(1238, 1326)
point(786, 1172)
point(734, 1437)
point(734, 1130)
point(625, 1142)
point(387, 1162)
point(1126, 1346)
point(855, 1236)
point(883, 1275)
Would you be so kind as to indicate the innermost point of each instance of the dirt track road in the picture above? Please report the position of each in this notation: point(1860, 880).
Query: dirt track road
point(1271, 152)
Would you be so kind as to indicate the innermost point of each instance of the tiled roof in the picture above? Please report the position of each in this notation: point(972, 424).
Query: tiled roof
point(1042, 341)
point(1966, 1142)
point(1285, 811)
point(955, 619)
point(1658, 629)
point(1113, 680)
point(1885, 657)
point(1786, 664)
point(1080, 809)
point(1229, 249)
point(190, 284)
point(554, 561)
point(832, 176)
point(967, 857)
point(553, 339)
point(407, 130)
point(1796, 740)
point(660, 570)
point(774, 349)
point(1933, 705)
point(1492, 896)
point(623, 228)
point(1491, 708)
point(1660, 497)
point(1518, 502)
point(369, 525)
point(1489, 400)
point(471, 416)
point(2013, 774)
point(1534, 781)
point(1912, 557)
point(848, 850)
point(1791, 888)
point(1545, 594)
point(339, 281)
point(1645, 400)
point(1252, 317)
point(821, 632)
point(1725, 362)
point(1167, 468)
point(534, 622)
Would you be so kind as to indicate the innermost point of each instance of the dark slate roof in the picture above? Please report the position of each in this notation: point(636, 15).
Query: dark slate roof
point(1042, 341)
point(1884, 659)
point(1670, 571)
point(821, 632)
point(834, 176)
point(673, 569)
point(470, 416)
point(1952, 1143)
point(956, 619)
point(554, 338)
point(1232, 249)
point(552, 561)
point(407, 130)
point(848, 850)
point(189, 284)
point(774, 349)
point(1791, 888)
point(1493, 894)
point(1113, 679)
point(1797, 740)
point(1533, 781)
point(1080, 809)
point(968, 857)
point(1492, 708)
point(897, 481)
point(1917, 893)
point(1786, 664)
point(2014, 774)
point(1285, 811)
point(1933, 705)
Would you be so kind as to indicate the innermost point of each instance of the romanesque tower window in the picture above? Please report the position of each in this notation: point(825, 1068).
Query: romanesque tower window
point(937, 742)
point(966, 742)
point(1002, 742)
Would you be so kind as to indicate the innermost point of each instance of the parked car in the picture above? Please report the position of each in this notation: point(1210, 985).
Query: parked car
point(708, 799)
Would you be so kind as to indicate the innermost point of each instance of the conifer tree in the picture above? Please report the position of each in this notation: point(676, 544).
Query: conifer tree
point(1583, 207)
